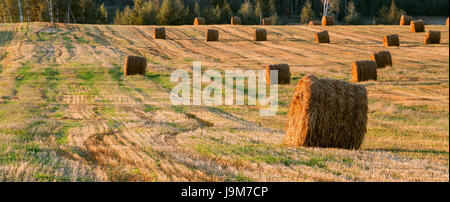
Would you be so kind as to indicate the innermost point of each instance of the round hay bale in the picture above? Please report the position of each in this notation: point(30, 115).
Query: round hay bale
point(327, 20)
point(267, 21)
point(433, 37)
point(260, 35)
point(405, 20)
point(134, 65)
point(391, 40)
point(212, 35)
point(327, 113)
point(417, 26)
point(159, 33)
point(446, 22)
point(314, 22)
point(382, 59)
point(364, 70)
point(284, 74)
point(322, 37)
point(235, 20)
point(199, 21)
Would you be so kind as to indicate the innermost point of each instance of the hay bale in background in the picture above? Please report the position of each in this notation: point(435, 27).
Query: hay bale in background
point(159, 33)
point(134, 65)
point(267, 21)
point(322, 37)
point(212, 35)
point(382, 59)
point(364, 70)
point(312, 22)
point(417, 26)
point(327, 113)
point(199, 21)
point(405, 20)
point(284, 74)
point(391, 40)
point(260, 35)
point(433, 37)
point(235, 20)
point(446, 22)
point(327, 20)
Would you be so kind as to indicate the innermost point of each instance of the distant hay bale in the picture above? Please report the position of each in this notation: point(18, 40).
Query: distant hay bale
point(405, 20)
point(433, 37)
point(447, 22)
point(134, 65)
point(322, 37)
point(212, 35)
point(417, 26)
point(199, 21)
point(284, 74)
point(159, 33)
point(364, 70)
point(314, 22)
point(327, 113)
point(327, 20)
point(260, 35)
point(391, 40)
point(267, 21)
point(382, 59)
point(236, 20)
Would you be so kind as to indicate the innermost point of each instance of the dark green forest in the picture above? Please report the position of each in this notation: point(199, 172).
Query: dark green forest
point(175, 12)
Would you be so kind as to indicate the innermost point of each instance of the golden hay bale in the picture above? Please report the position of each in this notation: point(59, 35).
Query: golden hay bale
point(212, 35)
point(327, 113)
point(391, 40)
point(134, 65)
point(405, 20)
point(284, 74)
point(322, 37)
point(382, 59)
point(159, 33)
point(236, 20)
point(327, 20)
point(446, 22)
point(260, 35)
point(417, 26)
point(267, 21)
point(433, 37)
point(364, 70)
point(199, 21)
point(314, 22)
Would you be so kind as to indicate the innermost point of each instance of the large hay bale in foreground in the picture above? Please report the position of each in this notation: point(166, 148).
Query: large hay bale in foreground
point(260, 35)
point(268, 21)
point(327, 113)
point(199, 21)
point(382, 59)
point(391, 40)
point(284, 74)
point(322, 37)
point(327, 20)
point(364, 70)
point(405, 20)
point(134, 65)
point(314, 22)
point(433, 37)
point(235, 20)
point(159, 33)
point(417, 26)
point(212, 35)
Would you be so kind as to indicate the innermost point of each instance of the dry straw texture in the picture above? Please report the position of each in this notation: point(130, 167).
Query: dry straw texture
point(364, 70)
point(382, 59)
point(159, 33)
point(405, 20)
point(327, 20)
point(134, 65)
point(236, 20)
point(199, 21)
point(284, 74)
point(260, 35)
point(327, 113)
point(417, 26)
point(212, 35)
point(312, 22)
point(322, 37)
point(267, 21)
point(391, 40)
point(433, 37)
